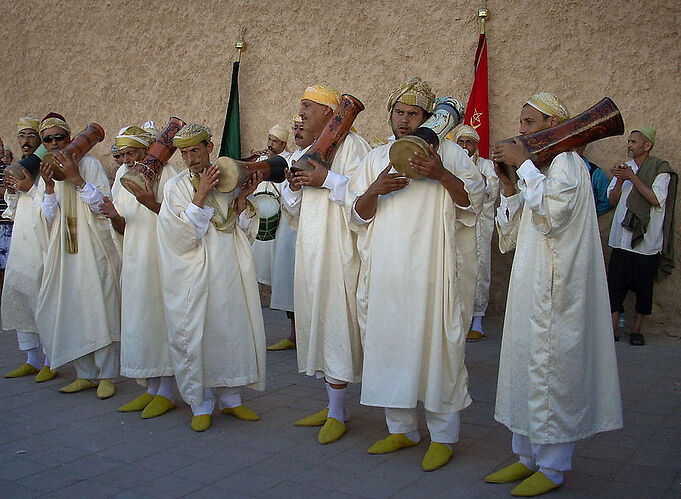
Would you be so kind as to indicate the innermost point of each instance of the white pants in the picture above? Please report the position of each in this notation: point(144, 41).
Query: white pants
point(229, 398)
point(552, 457)
point(443, 427)
point(100, 364)
point(28, 341)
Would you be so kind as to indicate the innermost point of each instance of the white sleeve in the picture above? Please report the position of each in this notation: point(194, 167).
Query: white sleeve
point(49, 207)
point(507, 208)
point(336, 183)
point(531, 184)
point(244, 221)
point(291, 200)
point(660, 188)
point(199, 218)
point(92, 196)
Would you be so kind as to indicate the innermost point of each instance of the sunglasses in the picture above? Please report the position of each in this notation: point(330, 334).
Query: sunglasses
point(116, 156)
point(56, 138)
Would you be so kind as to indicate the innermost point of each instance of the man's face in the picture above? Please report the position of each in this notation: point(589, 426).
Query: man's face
point(131, 154)
point(302, 137)
point(315, 116)
point(7, 157)
point(532, 120)
point(404, 119)
point(118, 158)
point(637, 145)
point(197, 157)
point(469, 144)
point(274, 145)
point(29, 140)
point(55, 138)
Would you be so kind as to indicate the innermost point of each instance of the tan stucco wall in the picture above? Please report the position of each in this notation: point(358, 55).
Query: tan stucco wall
point(124, 62)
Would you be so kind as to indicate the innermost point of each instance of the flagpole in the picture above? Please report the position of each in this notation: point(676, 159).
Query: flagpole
point(483, 14)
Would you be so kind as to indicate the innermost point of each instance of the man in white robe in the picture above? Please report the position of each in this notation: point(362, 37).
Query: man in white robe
point(558, 379)
point(417, 243)
point(209, 284)
point(24, 271)
point(144, 333)
point(283, 267)
point(78, 311)
point(263, 251)
point(468, 139)
point(327, 265)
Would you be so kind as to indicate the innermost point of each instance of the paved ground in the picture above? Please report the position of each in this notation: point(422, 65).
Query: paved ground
point(59, 445)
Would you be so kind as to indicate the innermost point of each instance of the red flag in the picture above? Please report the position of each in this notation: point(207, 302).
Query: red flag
point(477, 110)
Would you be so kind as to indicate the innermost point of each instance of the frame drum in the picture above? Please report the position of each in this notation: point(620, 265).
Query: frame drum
point(269, 211)
point(403, 149)
point(232, 174)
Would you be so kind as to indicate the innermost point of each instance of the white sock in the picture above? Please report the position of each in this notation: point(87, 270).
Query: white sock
point(477, 324)
point(553, 475)
point(230, 398)
point(336, 402)
point(33, 357)
point(414, 436)
point(166, 387)
point(208, 404)
point(152, 386)
point(47, 359)
point(528, 462)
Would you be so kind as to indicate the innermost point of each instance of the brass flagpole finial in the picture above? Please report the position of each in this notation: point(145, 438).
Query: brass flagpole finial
point(483, 14)
point(240, 45)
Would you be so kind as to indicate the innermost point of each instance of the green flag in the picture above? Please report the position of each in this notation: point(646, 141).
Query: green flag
point(231, 138)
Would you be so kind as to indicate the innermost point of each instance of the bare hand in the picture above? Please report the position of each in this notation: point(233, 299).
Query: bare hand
point(209, 180)
point(428, 166)
point(15, 184)
point(291, 177)
point(512, 153)
point(623, 172)
point(312, 178)
point(46, 173)
point(387, 182)
point(250, 185)
point(107, 208)
point(66, 162)
point(145, 197)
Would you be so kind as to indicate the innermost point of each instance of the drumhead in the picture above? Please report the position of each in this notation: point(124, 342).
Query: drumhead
point(229, 174)
point(269, 211)
point(403, 149)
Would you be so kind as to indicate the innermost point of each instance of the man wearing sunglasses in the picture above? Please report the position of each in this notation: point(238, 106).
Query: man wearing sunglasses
point(24, 270)
point(78, 311)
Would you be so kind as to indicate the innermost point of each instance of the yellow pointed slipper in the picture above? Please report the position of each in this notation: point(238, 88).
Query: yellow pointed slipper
point(436, 457)
point(284, 344)
point(474, 336)
point(23, 370)
point(241, 412)
point(535, 485)
point(79, 385)
point(105, 389)
point(158, 407)
point(513, 473)
point(201, 422)
point(331, 431)
point(316, 419)
point(45, 374)
point(137, 404)
point(394, 441)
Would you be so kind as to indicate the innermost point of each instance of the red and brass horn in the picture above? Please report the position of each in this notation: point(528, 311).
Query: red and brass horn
point(598, 122)
point(157, 156)
point(79, 146)
point(324, 148)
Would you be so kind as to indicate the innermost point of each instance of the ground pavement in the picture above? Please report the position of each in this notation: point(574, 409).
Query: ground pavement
point(60, 445)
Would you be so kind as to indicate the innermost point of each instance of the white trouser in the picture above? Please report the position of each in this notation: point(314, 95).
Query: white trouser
point(443, 427)
point(552, 457)
point(28, 341)
point(100, 364)
point(229, 398)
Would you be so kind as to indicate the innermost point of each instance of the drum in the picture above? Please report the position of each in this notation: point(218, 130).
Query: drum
point(234, 173)
point(269, 210)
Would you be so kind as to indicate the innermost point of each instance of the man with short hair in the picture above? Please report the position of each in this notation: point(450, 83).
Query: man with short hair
point(78, 310)
point(642, 231)
point(25, 263)
point(468, 139)
point(283, 267)
point(144, 333)
point(558, 378)
point(416, 240)
point(327, 266)
point(209, 287)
